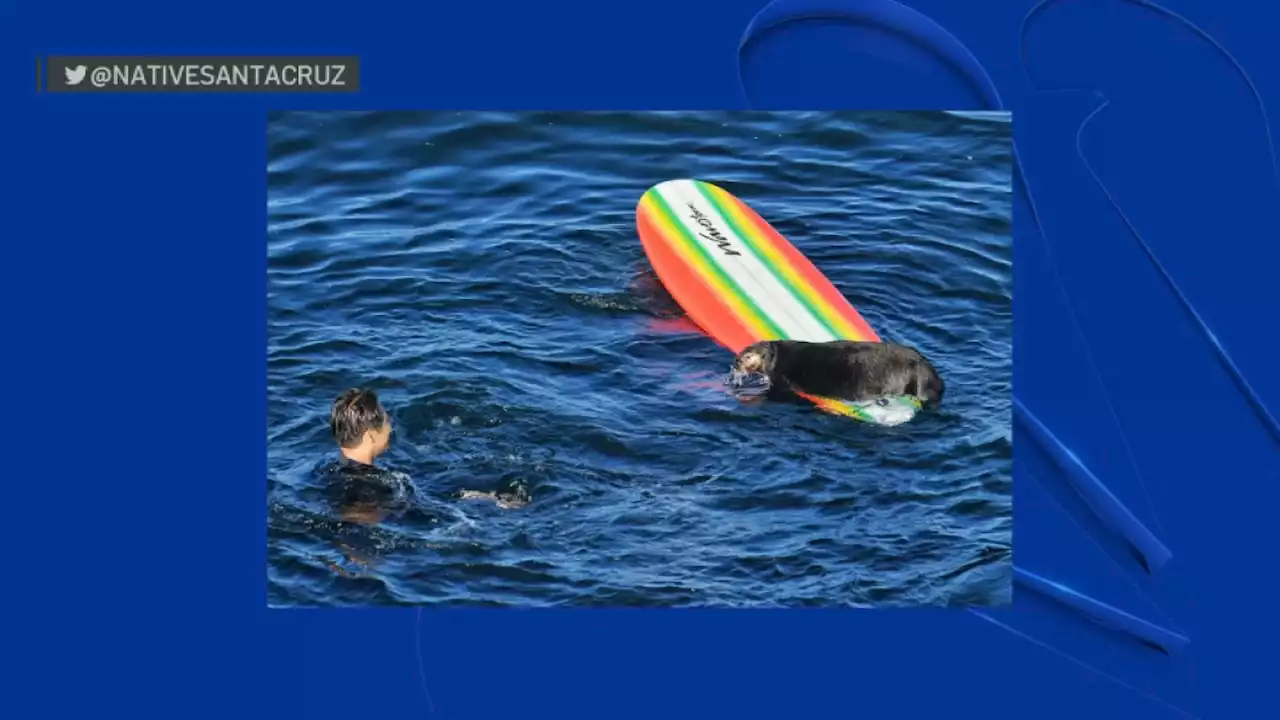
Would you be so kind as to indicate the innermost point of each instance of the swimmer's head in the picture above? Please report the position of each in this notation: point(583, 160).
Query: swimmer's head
point(360, 425)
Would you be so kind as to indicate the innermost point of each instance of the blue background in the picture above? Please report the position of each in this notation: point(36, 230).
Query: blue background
point(135, 274)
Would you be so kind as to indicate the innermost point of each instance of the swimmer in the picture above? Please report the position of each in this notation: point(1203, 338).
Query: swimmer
point(362, 429)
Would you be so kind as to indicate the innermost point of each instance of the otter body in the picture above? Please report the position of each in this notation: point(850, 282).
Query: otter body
point(845, 369)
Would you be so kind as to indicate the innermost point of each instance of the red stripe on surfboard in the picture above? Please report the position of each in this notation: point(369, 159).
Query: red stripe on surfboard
point(699, 300)
point(811, 274)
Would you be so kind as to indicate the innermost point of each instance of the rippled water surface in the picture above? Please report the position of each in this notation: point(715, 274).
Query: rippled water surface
point(483, 273)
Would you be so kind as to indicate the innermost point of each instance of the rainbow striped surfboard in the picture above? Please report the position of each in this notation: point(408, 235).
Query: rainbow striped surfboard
point(742, 282)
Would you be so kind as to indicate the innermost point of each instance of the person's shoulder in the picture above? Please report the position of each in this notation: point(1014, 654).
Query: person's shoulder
point(344, 471)
point(347, 482)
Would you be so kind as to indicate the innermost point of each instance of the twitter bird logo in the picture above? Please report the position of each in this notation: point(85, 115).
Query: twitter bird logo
point(74, 75)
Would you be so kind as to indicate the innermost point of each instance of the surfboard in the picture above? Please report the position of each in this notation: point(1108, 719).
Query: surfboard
point(741, 282)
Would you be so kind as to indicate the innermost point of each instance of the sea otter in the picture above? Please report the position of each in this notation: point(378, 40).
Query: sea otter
point(844, 369)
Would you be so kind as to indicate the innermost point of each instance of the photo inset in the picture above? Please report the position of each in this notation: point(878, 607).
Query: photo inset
point(639, 359)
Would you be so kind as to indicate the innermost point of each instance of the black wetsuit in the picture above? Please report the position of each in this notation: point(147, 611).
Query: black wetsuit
point(353, 485)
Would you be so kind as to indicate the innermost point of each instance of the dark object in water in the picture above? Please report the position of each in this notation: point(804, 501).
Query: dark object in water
point(506, 501)
point(859, 372)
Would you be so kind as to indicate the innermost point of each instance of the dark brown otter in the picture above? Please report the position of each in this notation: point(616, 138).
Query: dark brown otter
point(846, 370)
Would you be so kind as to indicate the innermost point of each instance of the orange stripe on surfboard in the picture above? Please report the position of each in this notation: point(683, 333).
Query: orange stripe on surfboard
point(705, 305)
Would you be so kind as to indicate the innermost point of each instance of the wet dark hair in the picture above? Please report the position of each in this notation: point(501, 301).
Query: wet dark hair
point(355, 412)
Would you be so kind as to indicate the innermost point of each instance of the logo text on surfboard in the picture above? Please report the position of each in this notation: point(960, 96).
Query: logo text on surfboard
point(709, 232)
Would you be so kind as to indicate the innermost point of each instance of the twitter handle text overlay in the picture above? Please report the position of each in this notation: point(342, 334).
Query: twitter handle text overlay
point(203, 74)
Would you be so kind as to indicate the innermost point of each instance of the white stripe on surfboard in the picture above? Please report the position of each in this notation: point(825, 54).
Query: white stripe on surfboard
point(752, 275)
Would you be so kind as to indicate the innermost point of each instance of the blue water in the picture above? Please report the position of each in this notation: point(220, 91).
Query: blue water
point(483, 273)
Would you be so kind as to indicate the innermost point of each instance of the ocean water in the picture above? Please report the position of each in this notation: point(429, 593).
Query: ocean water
point(481, 271)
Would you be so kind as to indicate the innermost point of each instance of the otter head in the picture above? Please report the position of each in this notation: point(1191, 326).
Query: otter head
point(753, 366)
